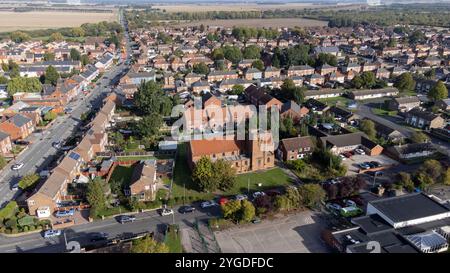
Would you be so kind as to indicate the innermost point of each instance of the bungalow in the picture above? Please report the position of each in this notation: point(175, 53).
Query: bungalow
point(341, 114)
point(372, 93)
point(403, 104)
point(295, 148)
point(423, 119)
point(316, 106)
point(348, 142)
point(323, 93)
point(412, 151)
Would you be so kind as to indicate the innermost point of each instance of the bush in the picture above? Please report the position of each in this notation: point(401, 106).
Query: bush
point(8, 231)
point(14, 231)
point(26, 228)
point(32, 228)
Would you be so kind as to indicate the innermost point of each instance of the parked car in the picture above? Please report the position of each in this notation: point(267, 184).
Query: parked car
point(99, 236)
point(376, 173)
point(257, 194)
point(360, 151)
point(21, 142)
point(376, 164)
point(56, 144)
point(369, 164)
point(343, 157)
point(348, 154)
point(350, 203)
point(52, 233)
point(208, 204)
point(166, 212)
point(333, 206)
point(15, 187)
point(186, 209)
point(256, 220)
point(364, 166)
point(126, 219)
point(241, 197)
point(65, 213)
point(223, 200)
point(17, 166)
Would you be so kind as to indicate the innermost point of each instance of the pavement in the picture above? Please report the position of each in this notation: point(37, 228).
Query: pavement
point(299, 233)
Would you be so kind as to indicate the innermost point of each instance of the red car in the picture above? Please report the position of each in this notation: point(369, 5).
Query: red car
point(223, 200)
point(348, 154)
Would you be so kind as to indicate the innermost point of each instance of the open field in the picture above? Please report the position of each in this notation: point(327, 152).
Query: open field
point(242, 7)
point(10, 21)
point(267, 23)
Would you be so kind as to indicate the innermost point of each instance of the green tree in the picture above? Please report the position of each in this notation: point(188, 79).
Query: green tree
point(148, 245)
point(75, 54)
point(369, 79)
point(150, 99)
point(49, 56)
point(56, 37)
point(200, 68)
point(3, 80)
point(22, 84)
point(13, 69)
point(357, 82)
point(224, 174)
point(19, 36)
point(405, 181)
point(325, 58)
point(50, 115)
point(78, 32)
point(368, 127)
point(149, 125)
point(258, 64)
point(84, 59)
point(51, 75)
point(431, 168)
point(392, 42)
point(237, 89)
point(28, 181)
point(419, 137)
point(292, 92)
point(438, 92)
point(95, 195)
point(217, 54)
point(232, 210)
point(446, 177)
point(252, 52)
point(232, 53)
point(311, 194)
point(202, 175)
point(405, 82)
point(247, 211)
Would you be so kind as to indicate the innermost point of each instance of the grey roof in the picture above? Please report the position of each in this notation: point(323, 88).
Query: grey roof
point(408, 207)
point(20, 120)
point(422, 114)
point(3, 135)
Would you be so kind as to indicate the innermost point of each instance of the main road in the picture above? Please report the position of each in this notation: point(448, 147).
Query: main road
point(41, 153)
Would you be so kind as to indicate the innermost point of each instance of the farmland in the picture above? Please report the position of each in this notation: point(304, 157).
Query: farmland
point(273, 23)
point(10, 21)
point(241, 7)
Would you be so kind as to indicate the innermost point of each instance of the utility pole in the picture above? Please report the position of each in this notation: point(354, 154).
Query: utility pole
point(184, 193)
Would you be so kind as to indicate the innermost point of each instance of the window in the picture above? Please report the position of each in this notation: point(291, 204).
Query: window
point(223, 154)
point(214, 155)
point(268, 159)
point(237, 164)
point(31, 202)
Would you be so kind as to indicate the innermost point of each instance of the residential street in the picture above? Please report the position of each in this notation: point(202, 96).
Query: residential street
point(147, 221)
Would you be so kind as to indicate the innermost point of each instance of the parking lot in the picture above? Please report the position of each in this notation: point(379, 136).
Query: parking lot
point(352, 163)
point(298, 233)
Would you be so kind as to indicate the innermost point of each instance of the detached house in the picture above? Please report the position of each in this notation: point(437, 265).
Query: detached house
point(143, 180)
point(348, 142)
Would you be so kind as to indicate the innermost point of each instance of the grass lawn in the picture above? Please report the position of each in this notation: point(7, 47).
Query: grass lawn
point(120, 177)
point(340, 101)
point(182, 175)
point(269, 179)
point(383, 112)
point(173, 241)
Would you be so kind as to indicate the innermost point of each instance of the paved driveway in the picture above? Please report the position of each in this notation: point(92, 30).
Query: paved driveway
point(298, 233)
point(352, 163)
